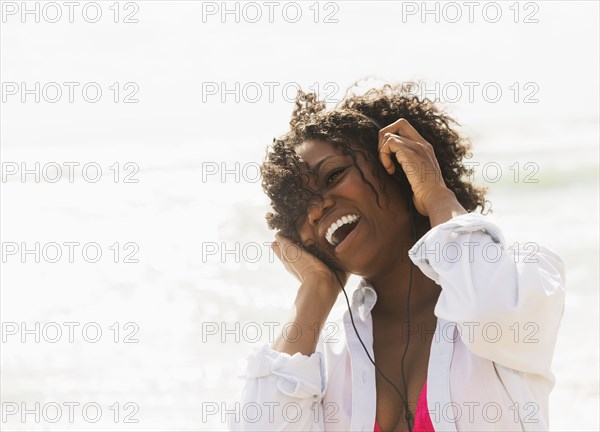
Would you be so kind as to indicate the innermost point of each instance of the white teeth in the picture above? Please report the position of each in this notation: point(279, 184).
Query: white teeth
point(334, 226)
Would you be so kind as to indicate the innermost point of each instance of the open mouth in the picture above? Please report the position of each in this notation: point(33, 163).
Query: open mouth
point(340, 229)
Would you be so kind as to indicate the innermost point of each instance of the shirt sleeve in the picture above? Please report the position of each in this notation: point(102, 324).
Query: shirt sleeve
point(280, 393)
point(507, 300)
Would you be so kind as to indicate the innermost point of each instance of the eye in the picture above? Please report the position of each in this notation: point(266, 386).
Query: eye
point(333, 175)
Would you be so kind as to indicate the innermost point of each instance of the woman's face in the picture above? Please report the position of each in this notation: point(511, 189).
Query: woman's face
point(369, 245)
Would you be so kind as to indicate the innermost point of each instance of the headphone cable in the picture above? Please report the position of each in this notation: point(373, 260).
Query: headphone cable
point(408, 415)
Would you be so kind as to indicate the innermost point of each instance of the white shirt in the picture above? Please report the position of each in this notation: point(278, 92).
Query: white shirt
point(498, 315)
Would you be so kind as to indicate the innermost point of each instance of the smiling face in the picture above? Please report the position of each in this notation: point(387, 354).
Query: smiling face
point(367, 237)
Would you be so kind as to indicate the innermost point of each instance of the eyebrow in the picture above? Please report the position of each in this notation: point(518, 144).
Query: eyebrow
point(317, 167)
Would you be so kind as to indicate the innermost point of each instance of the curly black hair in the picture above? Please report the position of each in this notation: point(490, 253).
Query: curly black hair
point(352, 128)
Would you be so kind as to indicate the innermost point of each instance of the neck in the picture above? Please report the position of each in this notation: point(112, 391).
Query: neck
point(392, 287)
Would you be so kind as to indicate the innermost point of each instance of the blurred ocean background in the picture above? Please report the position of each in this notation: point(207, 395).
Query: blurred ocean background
point(205, 286)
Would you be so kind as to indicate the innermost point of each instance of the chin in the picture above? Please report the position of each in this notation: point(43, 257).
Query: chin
point(358, 265)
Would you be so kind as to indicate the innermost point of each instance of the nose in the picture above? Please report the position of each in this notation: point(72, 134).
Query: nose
point(317, 210)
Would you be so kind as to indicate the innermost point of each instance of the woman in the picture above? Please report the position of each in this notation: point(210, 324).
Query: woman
point(454, 331)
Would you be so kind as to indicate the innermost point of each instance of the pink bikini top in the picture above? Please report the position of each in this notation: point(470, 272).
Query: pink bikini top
point(422, 419)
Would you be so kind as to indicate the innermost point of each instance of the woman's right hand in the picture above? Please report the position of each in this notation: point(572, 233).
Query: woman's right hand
point(304, 266)
point(318, 292)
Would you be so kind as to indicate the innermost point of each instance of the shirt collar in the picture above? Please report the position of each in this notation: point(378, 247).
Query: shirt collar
point(364, 298)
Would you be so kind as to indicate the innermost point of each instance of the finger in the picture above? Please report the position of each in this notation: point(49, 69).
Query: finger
point(282, 239)
point(279, 244)
point(400, 127)
point(394, 146)
point(417, 159)
point(283, 244)
point(276, 250)
point(289, 251)
point(395, 141)
point(386, 158)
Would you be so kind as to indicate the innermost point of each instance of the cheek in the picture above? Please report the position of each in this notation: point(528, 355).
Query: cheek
point(359, 190)
point(389, 193)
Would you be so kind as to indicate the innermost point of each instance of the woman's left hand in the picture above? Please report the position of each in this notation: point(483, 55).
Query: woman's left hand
point(417, 159)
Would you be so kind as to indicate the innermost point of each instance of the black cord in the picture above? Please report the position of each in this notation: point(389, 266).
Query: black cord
point(408, 415)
